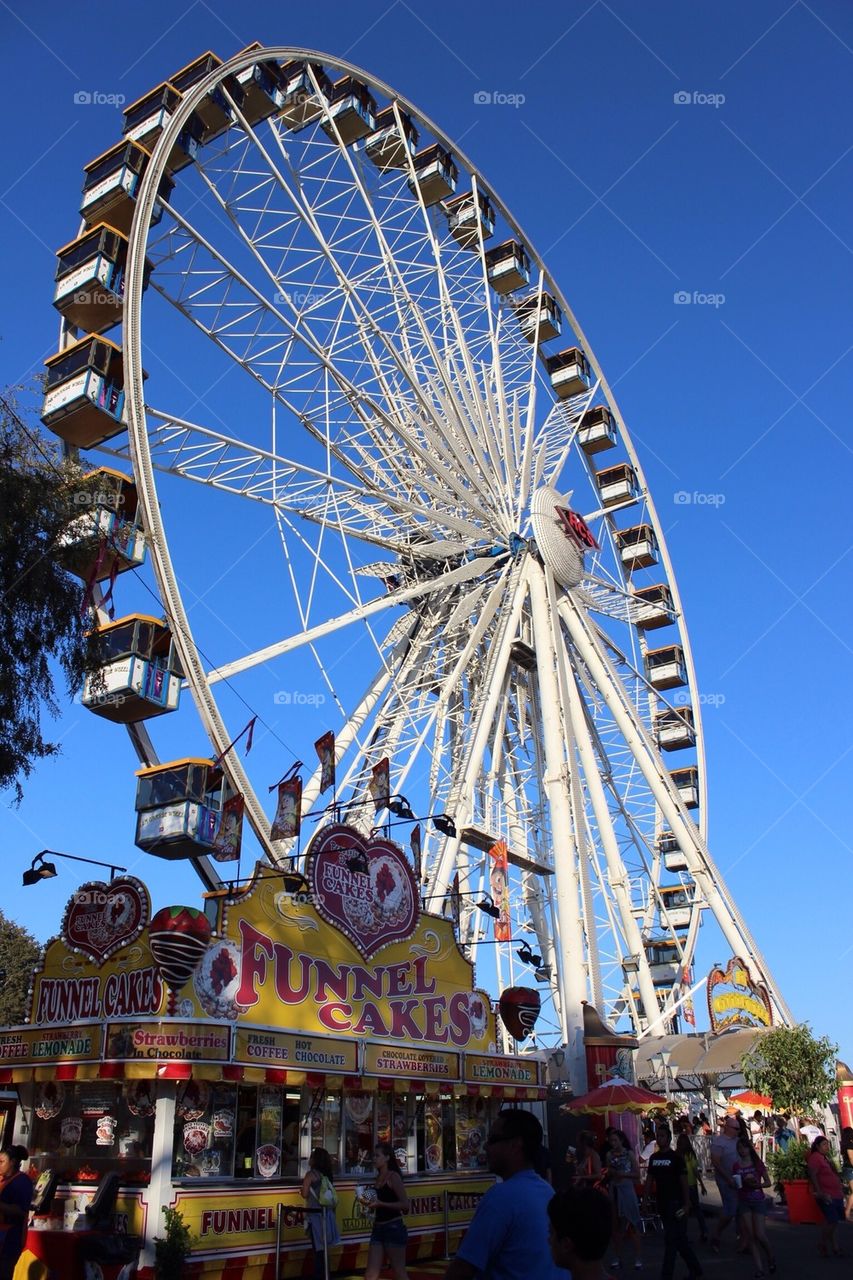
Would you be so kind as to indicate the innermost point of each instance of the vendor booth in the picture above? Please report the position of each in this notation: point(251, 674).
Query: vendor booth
point(200, 1056)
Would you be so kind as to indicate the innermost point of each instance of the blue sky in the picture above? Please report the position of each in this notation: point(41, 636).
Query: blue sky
point(660, 151)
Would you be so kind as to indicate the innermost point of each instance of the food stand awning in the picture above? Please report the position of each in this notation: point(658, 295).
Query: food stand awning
point(696, 1057)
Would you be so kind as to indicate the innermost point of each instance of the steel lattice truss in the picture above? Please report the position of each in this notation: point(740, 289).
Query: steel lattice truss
point(396, 424)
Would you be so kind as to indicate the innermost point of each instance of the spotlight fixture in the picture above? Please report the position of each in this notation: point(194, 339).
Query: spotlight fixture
point(401, 808)
point(488, 907)
point(543, 973)
point(358, 864)
point(445, 825)
point(43, 871)
point(529, 957)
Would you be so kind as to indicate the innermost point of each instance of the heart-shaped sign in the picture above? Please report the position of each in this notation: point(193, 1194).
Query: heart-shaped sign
point(365, 888)
point(101, 918)
point(519, 1008)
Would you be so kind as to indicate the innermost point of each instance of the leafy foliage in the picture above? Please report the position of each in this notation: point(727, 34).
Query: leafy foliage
point(789, 1165)
point(793, 1067)
point(172, 1250)
point(19, 952)
point(40, 494)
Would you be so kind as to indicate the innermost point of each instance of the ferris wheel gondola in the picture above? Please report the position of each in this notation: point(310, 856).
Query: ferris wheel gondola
point(424, 428)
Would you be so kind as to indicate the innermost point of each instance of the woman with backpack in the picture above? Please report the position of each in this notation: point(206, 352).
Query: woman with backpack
point(319, 1192)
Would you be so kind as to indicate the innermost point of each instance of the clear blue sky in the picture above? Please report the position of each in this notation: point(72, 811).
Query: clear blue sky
point(742, 192)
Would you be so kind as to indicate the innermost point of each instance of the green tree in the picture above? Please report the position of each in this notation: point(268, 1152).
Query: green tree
point(40, 493)
point(19, 953)
point(793, 1067)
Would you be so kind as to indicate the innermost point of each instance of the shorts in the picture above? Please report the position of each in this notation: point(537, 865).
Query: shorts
point(832, 1210)
point(762, 1206)
point(393, 1233)
point(729, 1199)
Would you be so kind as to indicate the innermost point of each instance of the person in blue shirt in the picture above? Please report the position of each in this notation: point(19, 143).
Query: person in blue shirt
point(16, 1195)
point(508, 1235)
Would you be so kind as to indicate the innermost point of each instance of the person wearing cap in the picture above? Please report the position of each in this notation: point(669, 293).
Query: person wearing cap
point(723, 1153)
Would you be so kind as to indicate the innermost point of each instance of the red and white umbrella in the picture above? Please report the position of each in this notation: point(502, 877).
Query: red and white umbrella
point(616, 1095)
point(756, 1101)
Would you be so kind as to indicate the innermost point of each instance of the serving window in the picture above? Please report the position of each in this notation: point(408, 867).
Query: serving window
point(231, 1131)
point(82, 1129)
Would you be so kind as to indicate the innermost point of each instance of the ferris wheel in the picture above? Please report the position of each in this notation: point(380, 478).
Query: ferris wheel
point(344, 369)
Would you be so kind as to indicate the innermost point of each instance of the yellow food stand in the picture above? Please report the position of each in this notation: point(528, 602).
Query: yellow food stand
point(202, 1055)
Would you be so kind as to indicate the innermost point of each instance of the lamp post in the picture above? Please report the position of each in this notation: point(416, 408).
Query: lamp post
point(662, 1058)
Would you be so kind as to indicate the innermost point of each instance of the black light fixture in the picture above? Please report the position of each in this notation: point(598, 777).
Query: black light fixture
point(543, 973)
point(529, 957)
point(488, 907)
point(41, 869)
point(400, 807)
point(444, 824)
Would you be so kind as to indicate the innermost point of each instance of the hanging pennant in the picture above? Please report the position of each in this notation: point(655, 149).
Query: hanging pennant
point(455, 901)
point(325, 748)
point(226, 842)
point(248, 732)
point(288, 814)
point(499, 882)
point(379, 785)
point(687, 1006)
point(415, 845)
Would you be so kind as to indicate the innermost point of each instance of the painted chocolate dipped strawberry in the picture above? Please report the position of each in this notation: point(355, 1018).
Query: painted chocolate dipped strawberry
point(519, 1008)
point(178, 938)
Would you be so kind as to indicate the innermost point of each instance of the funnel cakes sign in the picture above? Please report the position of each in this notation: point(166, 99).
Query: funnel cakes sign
point(365, 888)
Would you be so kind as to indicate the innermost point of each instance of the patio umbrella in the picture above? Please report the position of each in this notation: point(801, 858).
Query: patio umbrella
point(758, 1101)
point(616, 1095)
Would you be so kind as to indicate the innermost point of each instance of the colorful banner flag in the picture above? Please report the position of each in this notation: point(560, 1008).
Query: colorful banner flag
point(379, 785)
point(687, 1004)
point(288, 814)
point(325, 748)
point(499, 881)
point(415, 844)
point(226, 842)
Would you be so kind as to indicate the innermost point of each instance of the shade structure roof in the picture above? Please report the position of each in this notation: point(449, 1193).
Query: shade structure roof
point(616, 1095)
point(698, 1056)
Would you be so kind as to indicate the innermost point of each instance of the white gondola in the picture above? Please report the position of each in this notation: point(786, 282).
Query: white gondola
point(106, 538)
point(597, 430)
point(145, 120)
point(687, 785)
point(665, 963)
point(84, 399)
point(652, 607)
point(638, 547)
point(676, 905)
point(300, 101)
point(468, 219)
point(353, 110)
point(90, 279)
point(508, 266)
point(540, 317)
point(569, 373)
point(675, 729)
point(213, 112)
point(259, 88)
point(617, 485)
point(665, 667)
point(140, 675)
point(179, 808)
point(436, 174)
point(390, 146)
point(112, 183)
